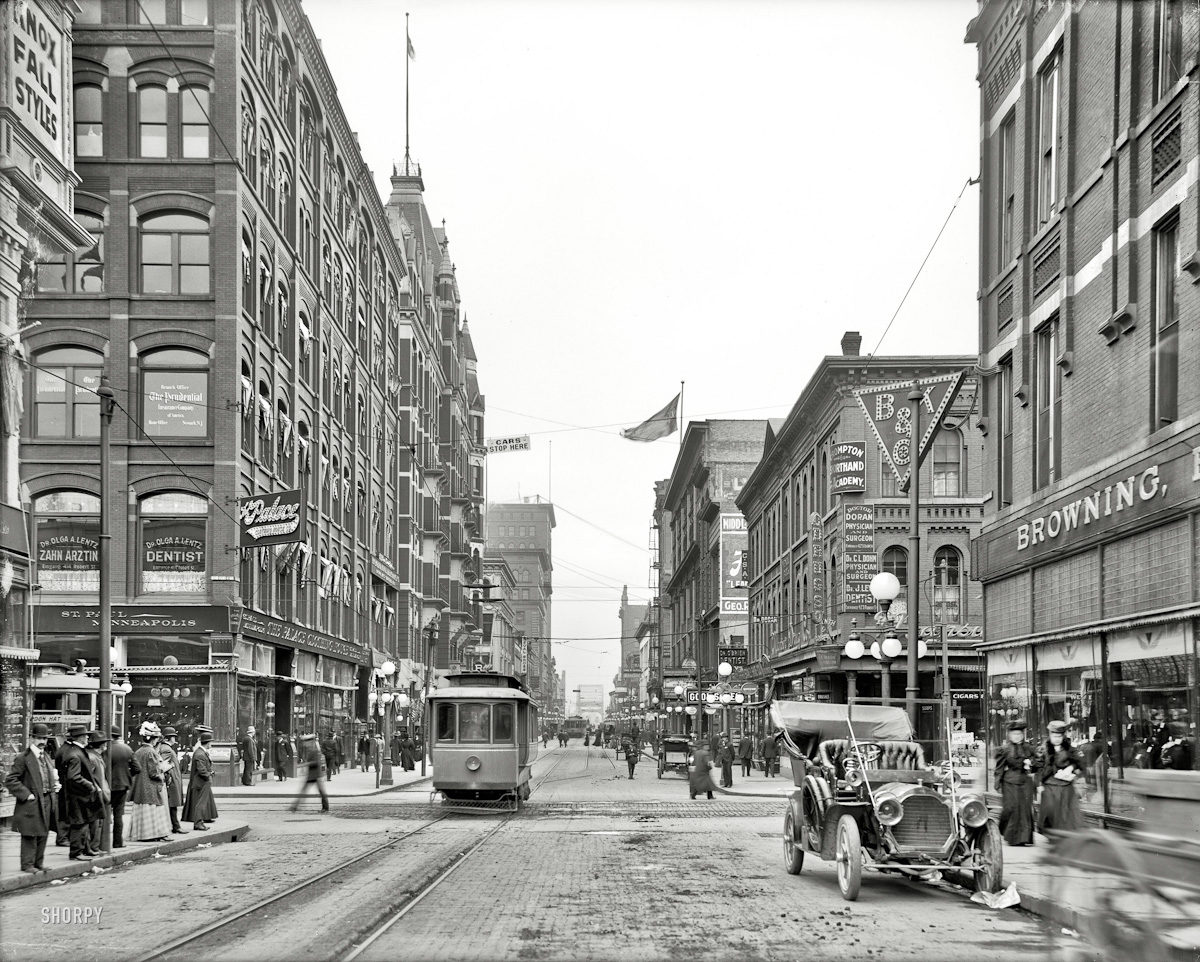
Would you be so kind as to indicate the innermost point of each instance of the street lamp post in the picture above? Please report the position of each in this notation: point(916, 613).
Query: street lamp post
point(915, 397)
point(386, 695)
point(431, 630)
point(884, 589)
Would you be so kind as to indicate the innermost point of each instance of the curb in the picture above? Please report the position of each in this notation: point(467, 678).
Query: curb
point(220, 793)
point(140, 854)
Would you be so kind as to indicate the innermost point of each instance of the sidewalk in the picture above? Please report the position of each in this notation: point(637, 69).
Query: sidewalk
point(348, 782)
point(59, 866)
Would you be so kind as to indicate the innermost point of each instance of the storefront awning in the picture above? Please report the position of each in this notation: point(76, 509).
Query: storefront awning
point(19, 654)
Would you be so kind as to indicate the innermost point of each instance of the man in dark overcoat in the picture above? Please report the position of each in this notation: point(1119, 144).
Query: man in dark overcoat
point(123, 769)
point(200, 806)
point(97, 746)
point(770, 752)
point(80, 794)
point(249, 749)
point(168, 749)
point(30, 780)
point(745, 753)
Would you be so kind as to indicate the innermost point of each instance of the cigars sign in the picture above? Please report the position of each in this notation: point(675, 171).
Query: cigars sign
point(1127, 499)
point(270, 519)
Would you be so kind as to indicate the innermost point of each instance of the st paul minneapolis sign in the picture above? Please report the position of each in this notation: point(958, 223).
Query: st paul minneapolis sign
point(1127, 499)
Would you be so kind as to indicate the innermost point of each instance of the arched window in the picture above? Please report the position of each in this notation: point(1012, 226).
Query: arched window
point(152, 121)
point(73, 273)
point(65, 404)
point(246, 398)
point(174, 393)
point(193, 121)
point(89, 121)
point(947, 463)
point(173, 543)
point(249, 301)
point(175, 256)
point(67, 541)
point(895, 561)
point(266, 162)
point(947, 586)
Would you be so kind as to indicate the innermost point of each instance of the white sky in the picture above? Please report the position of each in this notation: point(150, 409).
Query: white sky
point(642, 193)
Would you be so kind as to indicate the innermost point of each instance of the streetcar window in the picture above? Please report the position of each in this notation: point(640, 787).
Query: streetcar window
point(476, 723)
point(503, 715)
point(445, 723)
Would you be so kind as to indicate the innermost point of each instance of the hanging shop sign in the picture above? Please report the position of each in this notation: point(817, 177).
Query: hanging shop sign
point(859, 561)
point(849, 467)
point(888, 411)
point(270, 519)
point(1166, 484)
point(518, 442)
point(735, 656)
point(733, 551)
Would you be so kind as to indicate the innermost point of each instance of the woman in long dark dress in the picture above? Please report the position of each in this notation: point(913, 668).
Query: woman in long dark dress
point(1014, 781)
point(1060, 764)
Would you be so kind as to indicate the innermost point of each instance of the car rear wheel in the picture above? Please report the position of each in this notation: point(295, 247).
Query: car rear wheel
point(793, 854)
point(990, 852)
point(849, 857)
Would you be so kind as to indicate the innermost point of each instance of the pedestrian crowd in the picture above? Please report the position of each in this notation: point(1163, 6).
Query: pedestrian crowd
point(64, 789)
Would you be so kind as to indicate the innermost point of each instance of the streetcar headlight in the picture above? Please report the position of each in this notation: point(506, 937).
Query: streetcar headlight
point(973, 812)
point(889, 811)
point(473, 763)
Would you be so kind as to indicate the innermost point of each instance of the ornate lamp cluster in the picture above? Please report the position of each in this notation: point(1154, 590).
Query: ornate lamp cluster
point(885, 587)
point(1014, 701)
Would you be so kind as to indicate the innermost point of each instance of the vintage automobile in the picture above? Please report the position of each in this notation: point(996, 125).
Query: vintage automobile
point(866, 798)
point(674, 755)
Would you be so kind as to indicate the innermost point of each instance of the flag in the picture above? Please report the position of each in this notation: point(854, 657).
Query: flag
point(658, 426)
point(412, 54)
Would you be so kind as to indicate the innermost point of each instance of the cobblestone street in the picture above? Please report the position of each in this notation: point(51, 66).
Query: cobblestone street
point(595, 867)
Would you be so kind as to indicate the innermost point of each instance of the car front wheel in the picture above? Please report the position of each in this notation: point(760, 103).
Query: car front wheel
point(989, 854)
point(849, 857)
point(793, 854)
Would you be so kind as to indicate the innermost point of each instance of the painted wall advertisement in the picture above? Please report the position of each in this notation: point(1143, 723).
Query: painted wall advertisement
point(860, 563)
point(849, 467)
point(36, 74)
point(734, 545)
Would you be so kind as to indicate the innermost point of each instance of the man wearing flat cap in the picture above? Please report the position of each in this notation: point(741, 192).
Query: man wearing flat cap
point(31, 781)
point(167, 748)
point(79, 800)
point(200, 806)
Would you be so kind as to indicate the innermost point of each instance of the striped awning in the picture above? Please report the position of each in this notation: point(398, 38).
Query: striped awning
point(19, 654)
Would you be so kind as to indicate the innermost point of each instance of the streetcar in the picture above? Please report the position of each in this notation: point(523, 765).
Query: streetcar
point(575, 727)
point(485, 739)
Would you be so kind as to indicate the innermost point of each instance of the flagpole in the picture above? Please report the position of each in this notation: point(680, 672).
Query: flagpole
point(550, 471)
point(407, 46)
point(681, 421)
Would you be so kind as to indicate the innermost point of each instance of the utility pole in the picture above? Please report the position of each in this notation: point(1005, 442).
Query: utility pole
point(107, 403)
point(912, 690)
point(431, 628)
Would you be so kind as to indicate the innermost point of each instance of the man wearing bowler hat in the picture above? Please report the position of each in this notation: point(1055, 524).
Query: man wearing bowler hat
point(97, 746)
point(200, 806)
point(168, 748)
point(80, 796)
point(31, 782)
point(123, 769)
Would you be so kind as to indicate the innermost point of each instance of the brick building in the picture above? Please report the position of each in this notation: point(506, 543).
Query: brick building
point(521, 533)
point(804, 588)
point(268, 324)
point(702, 556)
point(1089, 321)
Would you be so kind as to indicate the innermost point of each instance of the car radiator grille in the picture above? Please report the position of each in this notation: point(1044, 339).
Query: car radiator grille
point(926, 823)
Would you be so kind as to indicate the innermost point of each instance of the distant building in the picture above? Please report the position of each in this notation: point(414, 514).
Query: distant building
point(703, 555)
point(521, 533)
point(1089, 332)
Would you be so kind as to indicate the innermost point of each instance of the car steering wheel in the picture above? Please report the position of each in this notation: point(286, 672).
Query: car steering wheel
point(866, 753)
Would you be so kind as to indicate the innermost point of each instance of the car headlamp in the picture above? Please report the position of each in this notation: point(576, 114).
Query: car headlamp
point(888, 810)
point(473, 763)
point(973, 812)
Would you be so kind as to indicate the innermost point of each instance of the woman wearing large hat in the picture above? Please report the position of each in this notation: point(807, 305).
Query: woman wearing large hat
point(1015, 762)
point(150, 821)
point(1060, 764)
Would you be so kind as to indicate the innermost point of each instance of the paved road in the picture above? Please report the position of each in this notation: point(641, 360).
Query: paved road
point(596, 867)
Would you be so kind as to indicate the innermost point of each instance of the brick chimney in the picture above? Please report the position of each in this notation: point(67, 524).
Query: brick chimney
point(851, 343)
